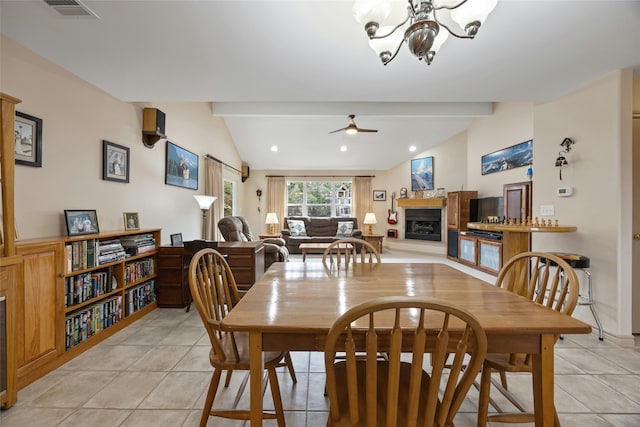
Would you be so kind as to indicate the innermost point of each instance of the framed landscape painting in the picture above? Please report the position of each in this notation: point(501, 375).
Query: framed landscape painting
point(181, 167)
point(422, 174)
point(508, 158)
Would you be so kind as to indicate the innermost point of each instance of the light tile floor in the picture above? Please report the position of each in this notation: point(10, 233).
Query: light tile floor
point(156, 371)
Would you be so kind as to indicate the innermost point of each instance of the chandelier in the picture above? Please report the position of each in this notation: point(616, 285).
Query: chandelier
point(422, 29)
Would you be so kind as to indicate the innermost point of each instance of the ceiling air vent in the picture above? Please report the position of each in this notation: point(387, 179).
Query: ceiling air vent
point(71, 8)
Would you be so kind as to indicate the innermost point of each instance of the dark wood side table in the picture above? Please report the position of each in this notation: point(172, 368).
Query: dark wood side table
point(269, 235)
point(374, 239)
point(246, 260)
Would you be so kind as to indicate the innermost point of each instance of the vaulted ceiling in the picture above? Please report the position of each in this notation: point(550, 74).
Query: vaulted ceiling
point(287, 73)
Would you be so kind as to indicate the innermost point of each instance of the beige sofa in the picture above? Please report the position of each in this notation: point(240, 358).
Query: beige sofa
point(317, 230)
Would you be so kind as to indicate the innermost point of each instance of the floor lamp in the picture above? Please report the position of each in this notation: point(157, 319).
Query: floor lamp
point(205, 203)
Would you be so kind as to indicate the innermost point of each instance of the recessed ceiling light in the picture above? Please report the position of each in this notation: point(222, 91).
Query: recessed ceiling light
point(412, 148)
point(343, 148)
point(274, 148)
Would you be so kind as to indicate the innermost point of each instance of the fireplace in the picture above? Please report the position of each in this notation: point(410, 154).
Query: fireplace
point(423, 224)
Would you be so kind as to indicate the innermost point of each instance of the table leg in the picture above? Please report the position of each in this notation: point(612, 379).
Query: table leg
point(256, 363)
point(543, 372)
point(304, 255)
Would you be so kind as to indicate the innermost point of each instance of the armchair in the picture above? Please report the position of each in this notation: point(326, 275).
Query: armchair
point(236, 228)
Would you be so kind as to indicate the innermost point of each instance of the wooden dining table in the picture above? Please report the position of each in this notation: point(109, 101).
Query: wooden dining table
point(294, 304)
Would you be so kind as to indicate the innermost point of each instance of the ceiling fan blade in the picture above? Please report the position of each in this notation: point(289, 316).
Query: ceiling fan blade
point(337, 130)
point(367, 130)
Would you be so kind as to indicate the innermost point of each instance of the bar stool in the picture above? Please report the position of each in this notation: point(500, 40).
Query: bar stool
point(582, 263)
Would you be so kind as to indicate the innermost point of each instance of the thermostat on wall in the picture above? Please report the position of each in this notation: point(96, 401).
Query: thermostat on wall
point(564, 191)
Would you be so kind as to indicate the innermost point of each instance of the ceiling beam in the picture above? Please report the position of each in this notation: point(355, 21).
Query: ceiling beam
point(328, 109)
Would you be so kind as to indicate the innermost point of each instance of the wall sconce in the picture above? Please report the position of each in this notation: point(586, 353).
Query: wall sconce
point(259, 194)
point(561, 160)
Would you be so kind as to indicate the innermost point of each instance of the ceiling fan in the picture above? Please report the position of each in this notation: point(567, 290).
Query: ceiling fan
point(352, 128)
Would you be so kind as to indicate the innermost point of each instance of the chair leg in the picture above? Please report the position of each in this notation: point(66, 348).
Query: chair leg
point(483, 400)
point(227, 379)
point(289, 362)
point(503, 379)
point(211, 394)
point(277, 398)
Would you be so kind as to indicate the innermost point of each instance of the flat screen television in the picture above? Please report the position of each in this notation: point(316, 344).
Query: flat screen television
point(481, 209)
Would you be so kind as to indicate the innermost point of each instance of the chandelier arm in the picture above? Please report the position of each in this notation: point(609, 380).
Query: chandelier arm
point(395, 53)
point(453, 33)
point(449, 7)
point(394, 29)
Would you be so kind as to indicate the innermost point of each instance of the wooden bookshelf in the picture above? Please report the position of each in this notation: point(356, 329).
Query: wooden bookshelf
point(51, 318)
point(10, 262)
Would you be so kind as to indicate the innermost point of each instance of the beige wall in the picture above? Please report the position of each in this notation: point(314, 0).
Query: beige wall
point(597, 171)
point(76, 118)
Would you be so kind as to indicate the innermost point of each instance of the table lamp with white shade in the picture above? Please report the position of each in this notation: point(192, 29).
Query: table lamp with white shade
point(369, 220)
point(205, 203)
point(271, 221)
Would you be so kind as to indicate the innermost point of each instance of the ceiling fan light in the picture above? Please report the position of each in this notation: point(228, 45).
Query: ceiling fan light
point(472, 14)
point(420, 37)
point(351, 130)
point(365, 11)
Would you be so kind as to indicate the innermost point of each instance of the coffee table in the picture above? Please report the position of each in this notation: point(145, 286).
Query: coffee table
point(314, 248)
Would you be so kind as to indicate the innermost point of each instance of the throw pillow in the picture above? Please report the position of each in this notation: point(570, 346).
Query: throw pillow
point(345, 228)
point(297, 228)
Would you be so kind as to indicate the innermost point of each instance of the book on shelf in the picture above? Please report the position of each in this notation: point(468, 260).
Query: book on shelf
point(138, 244)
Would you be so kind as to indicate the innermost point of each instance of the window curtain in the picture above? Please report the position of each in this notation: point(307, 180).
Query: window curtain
point(213, 186)
point(276, 198)
point(362, 195)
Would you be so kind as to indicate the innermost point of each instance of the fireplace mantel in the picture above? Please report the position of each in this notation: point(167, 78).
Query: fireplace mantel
point(433, 202)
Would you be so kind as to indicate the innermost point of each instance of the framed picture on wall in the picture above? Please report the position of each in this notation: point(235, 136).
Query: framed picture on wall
point(379, 195)
point(422, 174)
point(181, 167)
point(115, 162)
point(28, 140)
point(508, 158)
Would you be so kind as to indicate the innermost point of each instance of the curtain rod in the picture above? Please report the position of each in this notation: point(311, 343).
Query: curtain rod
point(320, 176)
point(209, 156)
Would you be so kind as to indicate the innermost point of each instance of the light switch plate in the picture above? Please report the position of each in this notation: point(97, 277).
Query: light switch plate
point(547, 210)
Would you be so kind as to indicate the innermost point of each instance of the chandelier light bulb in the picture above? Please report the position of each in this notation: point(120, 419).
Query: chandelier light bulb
point(472, 14)
point(365, 11)
point(385, 46)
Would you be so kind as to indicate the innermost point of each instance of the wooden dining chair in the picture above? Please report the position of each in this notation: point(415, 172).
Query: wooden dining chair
point(548, 280)
point(215, 293)
point(350, 251)
point(397, 392)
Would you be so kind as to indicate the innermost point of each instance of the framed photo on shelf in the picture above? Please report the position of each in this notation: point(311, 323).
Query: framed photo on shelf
point(422, 174)
point(181, 167)
point(115, 162)
point(379, 195)
point(176, 239)
point(28, 140)
point(81, 222)
point(131, 221)
point(508, 158)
